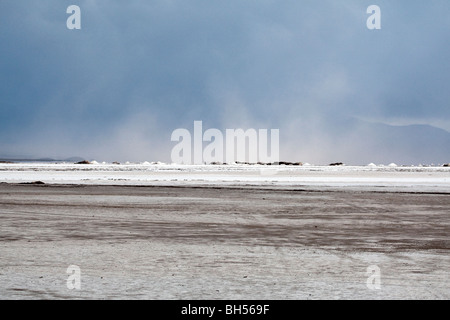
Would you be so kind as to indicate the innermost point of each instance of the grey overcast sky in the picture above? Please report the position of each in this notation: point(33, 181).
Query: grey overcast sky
point(137, 70)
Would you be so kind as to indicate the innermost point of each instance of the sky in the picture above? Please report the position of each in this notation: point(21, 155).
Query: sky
point(117, 88)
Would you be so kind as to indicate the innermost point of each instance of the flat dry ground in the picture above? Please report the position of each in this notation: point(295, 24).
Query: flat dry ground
point(221, 243)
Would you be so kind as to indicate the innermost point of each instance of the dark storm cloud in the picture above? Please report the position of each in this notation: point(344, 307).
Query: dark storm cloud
point(139, 69)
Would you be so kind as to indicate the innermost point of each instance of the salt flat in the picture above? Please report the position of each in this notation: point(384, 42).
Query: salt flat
point(420, 179)
point(220, 232)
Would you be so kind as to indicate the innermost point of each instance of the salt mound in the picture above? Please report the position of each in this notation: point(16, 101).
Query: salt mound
point(392, 165)
point(371, 165)
point(94, 162)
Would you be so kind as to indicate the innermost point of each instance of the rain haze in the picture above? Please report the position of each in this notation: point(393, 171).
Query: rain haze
point(117, 88)
point(123, 146)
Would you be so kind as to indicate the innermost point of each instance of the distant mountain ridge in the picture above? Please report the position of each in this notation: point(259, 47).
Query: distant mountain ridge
point(31, 159)
point(382, 143)
point(348, 140)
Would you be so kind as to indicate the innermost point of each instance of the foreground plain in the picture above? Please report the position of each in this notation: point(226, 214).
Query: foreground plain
point(162, 242)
